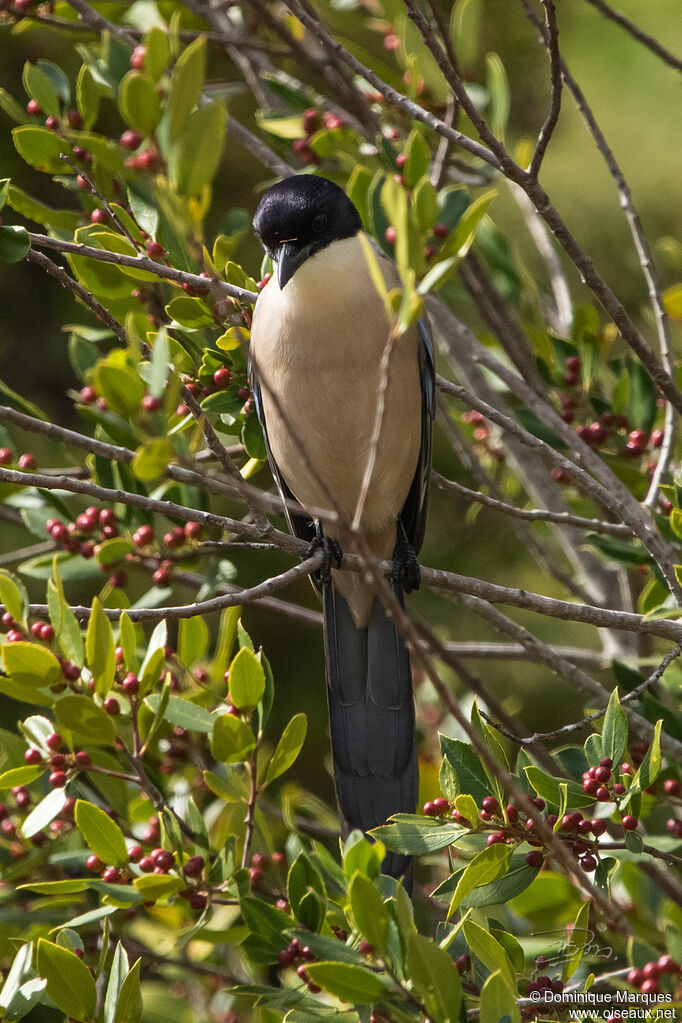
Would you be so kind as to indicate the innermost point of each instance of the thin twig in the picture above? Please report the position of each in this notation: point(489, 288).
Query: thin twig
point(636, 33)
point(533, 514)
point(104, 201)
point(575, 726)
point(99, 23)
point(43, 241)
point(552, 37)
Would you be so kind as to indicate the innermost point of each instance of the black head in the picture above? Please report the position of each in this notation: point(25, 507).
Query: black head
point(301, 215)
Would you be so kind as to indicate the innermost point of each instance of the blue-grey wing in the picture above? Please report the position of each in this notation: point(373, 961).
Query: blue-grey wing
point(300, 525)
point(413, 514)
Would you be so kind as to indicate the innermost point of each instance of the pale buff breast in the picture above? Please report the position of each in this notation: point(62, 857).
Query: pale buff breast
point(317, 346)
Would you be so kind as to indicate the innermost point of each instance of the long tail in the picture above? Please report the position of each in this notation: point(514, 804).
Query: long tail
point(371, 716)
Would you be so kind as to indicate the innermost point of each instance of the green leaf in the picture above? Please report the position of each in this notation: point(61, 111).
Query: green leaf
point(152, 459)
point(159, 367)
point(252, 439)
point(469, 771)
point(488, 865)
point(247, 680)
point(518, 878)
point(434, 978)
point(498, 1001)
point(117, 974)
point(498, 90)
point(139, 102)
point(39, 86)
point(80, 719)
point(45, 812)
point(66, 626)
point(110, 551)
point(233, 740)
point(488, 950)
point(157, 55)
point(14, 243)
point(129, 1005)
point(187, 84)
point(184, 714)
point(354, 984)
point(69, 983)
point(369, 912)
point(122, 388)
point(580, 933)
point(28, 664)
point(74, 887)
point(19, 969)
point(158, 886)
point(418, 158)
point(101, 833)
point(20, 776)
point(24, 999)
point(193, 639)
point(549, 788)
point(100, 648)
point(12, 109)
point(10, 596)
point(40, 148)
point(614, 736)
point(650, 768)
point(460, 240)
point(288, 747)
point(199, 149)
point(414, 835)
point(88, 95)
point(359, 854)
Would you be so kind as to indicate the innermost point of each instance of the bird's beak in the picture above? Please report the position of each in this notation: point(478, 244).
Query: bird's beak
point(290, 256)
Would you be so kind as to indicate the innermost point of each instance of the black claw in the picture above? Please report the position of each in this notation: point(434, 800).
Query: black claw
point(332, 556)
point(406, 572)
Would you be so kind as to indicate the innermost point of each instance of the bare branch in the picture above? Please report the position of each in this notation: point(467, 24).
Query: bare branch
point(636, 33)
point(476, 650)
point(43, 241)
point(552, 40)
point(540, 235)
point(575, 726)
point(533, 514)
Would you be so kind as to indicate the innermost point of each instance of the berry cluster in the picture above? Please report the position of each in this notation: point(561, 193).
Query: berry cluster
point(301, 954)
point(26, 461)
point(63, 765)
point(646, 979)
point(481, 436)
point(312, 123)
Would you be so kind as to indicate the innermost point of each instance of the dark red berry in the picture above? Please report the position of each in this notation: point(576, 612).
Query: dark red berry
point(155, 250)
point(26, 461)
point(33, 108)
point(74, 118)
point(490, 804)
point(534, 858)
point(54, 741)
point(221, 377)
point(131, 684)
point(33, 757)
point(58, 779)
point(671, 787)
point(146, 864)
point(588, 863)
point(629, 823)
point(112, 706)
point(137, 57)
point(194, 866)
point(635, 977)
point(151, 404)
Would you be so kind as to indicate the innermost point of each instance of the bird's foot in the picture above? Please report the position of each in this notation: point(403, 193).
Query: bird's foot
point(332, 556)
point(406, 572)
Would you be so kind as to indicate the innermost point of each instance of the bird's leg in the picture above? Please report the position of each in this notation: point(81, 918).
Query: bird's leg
point(331, 551)
point(406, 571)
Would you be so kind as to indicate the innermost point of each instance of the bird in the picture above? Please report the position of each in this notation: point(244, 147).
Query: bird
point(319, 331)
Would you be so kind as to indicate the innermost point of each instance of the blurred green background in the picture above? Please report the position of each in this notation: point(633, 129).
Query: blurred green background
point(636, 99)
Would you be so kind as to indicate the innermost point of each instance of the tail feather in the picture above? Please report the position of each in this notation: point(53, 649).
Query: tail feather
point(371, 716)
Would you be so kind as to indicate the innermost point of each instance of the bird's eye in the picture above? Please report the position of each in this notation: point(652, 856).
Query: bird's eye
point(319, 222)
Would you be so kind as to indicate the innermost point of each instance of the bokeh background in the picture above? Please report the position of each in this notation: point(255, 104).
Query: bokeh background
point(636, 99)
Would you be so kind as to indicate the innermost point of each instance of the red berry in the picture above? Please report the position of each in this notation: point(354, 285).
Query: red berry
point(32, 757)
point(112, 706)
point(118, 580)
point(572, 364)
point(666, 964)
point(584, 827)
point(74, 118)
point(512, 813)
point(46, 632)
point(430, 810)
point(58, 761)
point(569, 822)
point(618, 789)
point(193, 530)
point(635, 977)
point(441, 805)
point(130, 140)
point(146, 864)
point(198, 901)
point(26, 461)
point(151, 404)
point(657, 438)
point(83, 758)
point(221, 377)
point(638, 438)
point(490, 804)
point(54, 741)
point(51, 123)
point(58, 779)
point(603, 795)
point(588, 863)
point(390, 234)
point(534, 858)
point(602, 774)
point(137, 57)
point(606, 762)
point(671, 787)
point(441, 230)
point(6, 456)
point(94, 864)
point(495, 838)
point(155, 250)
point(131, 684)
point(649, 987)
point(590, 785)
point(111, 875)
point(163, 859)
point(598, 827)
point(33, 108)
point(161, 576)
point(629, 823)
point(99, 216)
point(194, 866)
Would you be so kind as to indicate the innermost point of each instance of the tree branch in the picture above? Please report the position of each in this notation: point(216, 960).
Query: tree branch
point(636, 33)
point(552, 40)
